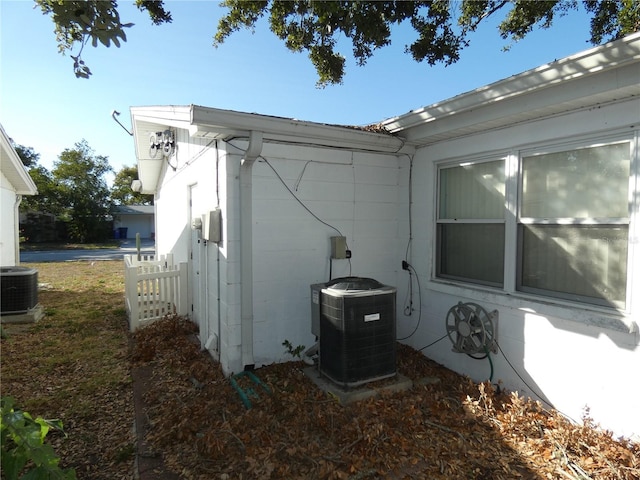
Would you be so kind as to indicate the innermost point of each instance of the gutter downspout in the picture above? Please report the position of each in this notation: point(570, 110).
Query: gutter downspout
point(246, 248)
point(16, 229)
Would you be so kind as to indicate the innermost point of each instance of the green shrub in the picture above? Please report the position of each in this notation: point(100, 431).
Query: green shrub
point(24, 454)
point(294, 352)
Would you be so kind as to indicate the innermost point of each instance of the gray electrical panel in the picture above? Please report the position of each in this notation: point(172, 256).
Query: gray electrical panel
point(338, 247)
point(212, 226)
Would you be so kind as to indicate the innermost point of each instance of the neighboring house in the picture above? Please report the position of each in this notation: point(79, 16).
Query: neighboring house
point(521, 196)
point(128, 220)
point(15, 182)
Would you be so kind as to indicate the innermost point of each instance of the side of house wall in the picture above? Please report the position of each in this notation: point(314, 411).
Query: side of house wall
point(301, 198)
point(572, 356)
point(205, 178)
point(192, 166)
point(8, 231)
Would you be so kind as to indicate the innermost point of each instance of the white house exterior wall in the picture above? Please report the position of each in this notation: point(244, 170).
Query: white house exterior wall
point(8, 237)
point(209, 286)
point(14, 182)
point(573, 356)
point(364, 196)
point(353, 193)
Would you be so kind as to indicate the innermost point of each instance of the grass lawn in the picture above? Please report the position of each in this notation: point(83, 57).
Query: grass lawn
point(30, 247)
point(73, 365)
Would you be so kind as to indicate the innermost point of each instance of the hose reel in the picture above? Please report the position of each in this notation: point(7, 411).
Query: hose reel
point(471, 329)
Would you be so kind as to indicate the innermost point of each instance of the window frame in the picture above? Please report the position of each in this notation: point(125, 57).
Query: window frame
point(513, 222)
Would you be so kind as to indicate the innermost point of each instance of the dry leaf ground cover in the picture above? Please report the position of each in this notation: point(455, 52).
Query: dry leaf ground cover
point(452, 428)
point(75, 364)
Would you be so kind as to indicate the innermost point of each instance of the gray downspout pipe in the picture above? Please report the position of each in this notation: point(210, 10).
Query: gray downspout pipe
point(246, 247)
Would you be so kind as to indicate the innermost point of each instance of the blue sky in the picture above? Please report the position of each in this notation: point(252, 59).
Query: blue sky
point(43, 105)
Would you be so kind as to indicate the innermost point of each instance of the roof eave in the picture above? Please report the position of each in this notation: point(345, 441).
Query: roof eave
point(13, 168)
point(213, 123)
point(225, 124)
point(616, 56)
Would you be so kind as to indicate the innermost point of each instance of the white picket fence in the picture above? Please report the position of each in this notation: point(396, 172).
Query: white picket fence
point(154, 288)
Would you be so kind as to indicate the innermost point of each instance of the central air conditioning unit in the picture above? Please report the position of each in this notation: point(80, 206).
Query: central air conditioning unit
point(19, 290)
point(355, 320)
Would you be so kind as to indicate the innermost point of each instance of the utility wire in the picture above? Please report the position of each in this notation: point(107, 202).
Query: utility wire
point(297, 199)
point(265, 160)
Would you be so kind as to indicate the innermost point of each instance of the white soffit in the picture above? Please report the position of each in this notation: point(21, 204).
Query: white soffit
point(147, 120)
point(601, 75)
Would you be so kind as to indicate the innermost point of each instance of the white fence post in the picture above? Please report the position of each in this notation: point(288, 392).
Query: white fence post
point(131, 296)
point(183, 298)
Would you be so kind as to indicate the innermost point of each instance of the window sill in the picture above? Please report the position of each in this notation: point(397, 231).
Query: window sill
point(591, 315)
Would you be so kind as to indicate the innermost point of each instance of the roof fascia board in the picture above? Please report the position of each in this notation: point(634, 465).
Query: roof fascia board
point(592, 89)
point(15, 170)
point(162, 113)
point(219, 123)
point(161, 122)
point(612, 56)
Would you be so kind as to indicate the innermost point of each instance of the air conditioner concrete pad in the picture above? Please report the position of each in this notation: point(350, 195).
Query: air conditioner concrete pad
point(345, 395)
point(33, 315)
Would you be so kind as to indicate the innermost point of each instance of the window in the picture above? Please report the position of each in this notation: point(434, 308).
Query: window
point(574, 224)
point(471, 222)
point(570, 236)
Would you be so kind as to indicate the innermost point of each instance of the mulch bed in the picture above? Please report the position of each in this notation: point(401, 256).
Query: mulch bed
point(193, 425)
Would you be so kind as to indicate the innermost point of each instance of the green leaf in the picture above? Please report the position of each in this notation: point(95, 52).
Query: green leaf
point(44, 427)
point(104, 38)
point(23, 442)
point(12, 464)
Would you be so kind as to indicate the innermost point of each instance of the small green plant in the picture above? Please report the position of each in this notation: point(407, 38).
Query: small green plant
point(294, 352)
point(24, 454)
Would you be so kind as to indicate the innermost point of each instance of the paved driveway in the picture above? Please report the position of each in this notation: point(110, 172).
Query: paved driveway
point(147, 247)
